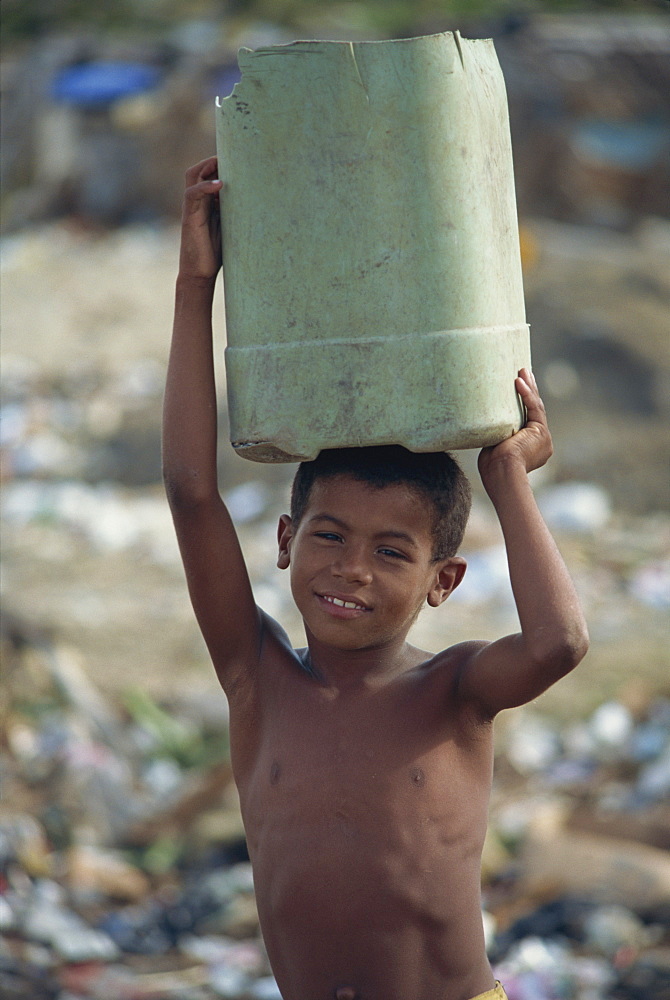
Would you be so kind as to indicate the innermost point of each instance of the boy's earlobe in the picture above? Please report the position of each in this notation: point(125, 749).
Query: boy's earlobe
point(449, 575)
point(284, 535)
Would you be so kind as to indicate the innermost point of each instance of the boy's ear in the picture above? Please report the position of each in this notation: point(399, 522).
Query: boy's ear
point(449, 574)
point(284, 536)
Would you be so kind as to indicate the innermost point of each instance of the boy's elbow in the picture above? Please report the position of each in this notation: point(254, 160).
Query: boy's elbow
point(558, 655)
point(174, 490)
point(184, 489)
point(575, 647)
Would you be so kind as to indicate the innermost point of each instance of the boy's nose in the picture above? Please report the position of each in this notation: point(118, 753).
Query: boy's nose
point(353, 567)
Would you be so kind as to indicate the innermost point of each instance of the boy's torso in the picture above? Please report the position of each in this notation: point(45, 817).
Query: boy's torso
point(365, 812)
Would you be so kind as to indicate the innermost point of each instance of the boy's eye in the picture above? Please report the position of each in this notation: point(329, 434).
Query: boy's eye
point(328, 536)
point(391, 552)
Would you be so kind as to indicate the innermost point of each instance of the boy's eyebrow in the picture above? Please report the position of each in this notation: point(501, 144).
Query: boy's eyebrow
point(400, 535)
point(328, 517)
point(390, 533)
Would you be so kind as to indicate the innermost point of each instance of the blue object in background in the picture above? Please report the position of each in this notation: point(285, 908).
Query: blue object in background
point(624, 145)
point(97, 84)
point(225, 80)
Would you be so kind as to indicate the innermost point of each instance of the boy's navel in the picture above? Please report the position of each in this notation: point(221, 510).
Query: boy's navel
point(275, 772)
point(346, 993)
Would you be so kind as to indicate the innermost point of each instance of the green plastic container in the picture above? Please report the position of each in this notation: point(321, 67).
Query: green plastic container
point(372, 271)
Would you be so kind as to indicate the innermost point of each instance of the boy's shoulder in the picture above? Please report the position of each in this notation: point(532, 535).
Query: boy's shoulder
point(454, 658)
point(277, 648)
point(443, 673)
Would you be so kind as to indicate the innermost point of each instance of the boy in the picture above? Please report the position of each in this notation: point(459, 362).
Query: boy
point(363, 764)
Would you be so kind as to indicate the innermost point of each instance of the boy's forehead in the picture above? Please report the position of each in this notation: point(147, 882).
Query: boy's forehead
point(344, 494)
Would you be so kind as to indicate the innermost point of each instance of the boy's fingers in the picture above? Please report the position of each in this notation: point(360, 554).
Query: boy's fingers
point(203, 187)
point(523, 388)
point(201, 171)
point(528, 377)
point(196, 193)
point(203, 166)
point(527, 388)
point(527, 383)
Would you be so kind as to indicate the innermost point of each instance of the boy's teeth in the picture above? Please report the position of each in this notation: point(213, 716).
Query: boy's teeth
point(342, 604)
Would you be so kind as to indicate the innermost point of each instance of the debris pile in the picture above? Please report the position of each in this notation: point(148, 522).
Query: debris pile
point(124, 873)
point(577, 869)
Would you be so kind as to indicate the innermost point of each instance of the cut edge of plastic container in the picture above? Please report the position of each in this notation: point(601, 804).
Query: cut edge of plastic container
point(265, 452)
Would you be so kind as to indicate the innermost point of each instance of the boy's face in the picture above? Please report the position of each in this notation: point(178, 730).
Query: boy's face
point(361, 562)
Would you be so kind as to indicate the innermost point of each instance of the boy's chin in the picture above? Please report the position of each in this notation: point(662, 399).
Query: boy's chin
point(339, 639)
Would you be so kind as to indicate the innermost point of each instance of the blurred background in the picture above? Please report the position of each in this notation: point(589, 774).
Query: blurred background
point(123, 869)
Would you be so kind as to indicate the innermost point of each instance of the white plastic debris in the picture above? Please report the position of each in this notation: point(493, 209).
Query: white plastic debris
point(7, 919)
point(654, 780)
point(610, 928)
point(490, 926)
point(486, 578)
point(111, 519)
point(578, 507)
point(69, 936)
point(247, 501)
point(265, 989)
point(612, 725)
point(532, 744)
point(228, 983)
point(651, 584)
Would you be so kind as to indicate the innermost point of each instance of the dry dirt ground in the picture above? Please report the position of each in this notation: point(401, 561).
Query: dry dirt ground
point(86, 319)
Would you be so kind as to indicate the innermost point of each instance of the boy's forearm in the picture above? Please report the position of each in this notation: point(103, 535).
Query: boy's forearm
point(552, 623)
point(189, 409)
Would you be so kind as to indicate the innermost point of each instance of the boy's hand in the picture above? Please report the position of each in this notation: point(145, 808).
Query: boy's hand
point(530, 447)
point(200, 253)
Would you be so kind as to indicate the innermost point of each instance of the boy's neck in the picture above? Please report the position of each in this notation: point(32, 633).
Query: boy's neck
point(349, 669)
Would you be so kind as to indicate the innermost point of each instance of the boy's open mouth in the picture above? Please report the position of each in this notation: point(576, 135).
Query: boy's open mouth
point(341, 606)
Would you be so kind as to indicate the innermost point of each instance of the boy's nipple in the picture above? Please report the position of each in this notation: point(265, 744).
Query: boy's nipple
point(346, 993)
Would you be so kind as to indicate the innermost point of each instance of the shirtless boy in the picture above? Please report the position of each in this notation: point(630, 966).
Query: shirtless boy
point(363, 763)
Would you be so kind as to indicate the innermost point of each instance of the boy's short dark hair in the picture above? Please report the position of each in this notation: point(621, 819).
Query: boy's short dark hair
point(436, 476)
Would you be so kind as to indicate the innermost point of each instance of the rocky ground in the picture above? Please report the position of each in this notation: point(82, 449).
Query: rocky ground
point(113, 756)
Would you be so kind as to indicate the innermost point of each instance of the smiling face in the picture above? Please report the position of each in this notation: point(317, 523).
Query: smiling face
point(361, 562)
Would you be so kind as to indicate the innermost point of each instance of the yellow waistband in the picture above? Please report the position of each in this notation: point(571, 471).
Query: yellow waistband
point(497, 993)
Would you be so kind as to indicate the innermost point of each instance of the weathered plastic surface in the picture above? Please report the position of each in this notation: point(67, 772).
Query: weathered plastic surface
point(372, 271)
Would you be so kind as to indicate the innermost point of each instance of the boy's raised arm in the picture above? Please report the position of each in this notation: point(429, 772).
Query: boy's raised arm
point(217, 577)
point(553, 637)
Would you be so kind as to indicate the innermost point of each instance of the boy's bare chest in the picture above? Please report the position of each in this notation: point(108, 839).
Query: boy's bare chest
point(358, 762)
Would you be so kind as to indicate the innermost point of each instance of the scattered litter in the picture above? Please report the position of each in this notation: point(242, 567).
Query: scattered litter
point(578, 507)
point(486, 580)
point(611, 726)
point(247, 502)
point(111, 519)
point(651, 584)
point(135, 850)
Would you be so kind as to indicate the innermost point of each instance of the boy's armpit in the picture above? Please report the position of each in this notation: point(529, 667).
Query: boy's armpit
point(452, 665)
point(508, 673)
point(486, 675)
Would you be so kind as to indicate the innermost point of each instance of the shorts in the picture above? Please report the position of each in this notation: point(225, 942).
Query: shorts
point(497, 993)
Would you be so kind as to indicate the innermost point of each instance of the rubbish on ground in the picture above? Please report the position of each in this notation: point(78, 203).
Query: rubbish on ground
point(571, 907)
